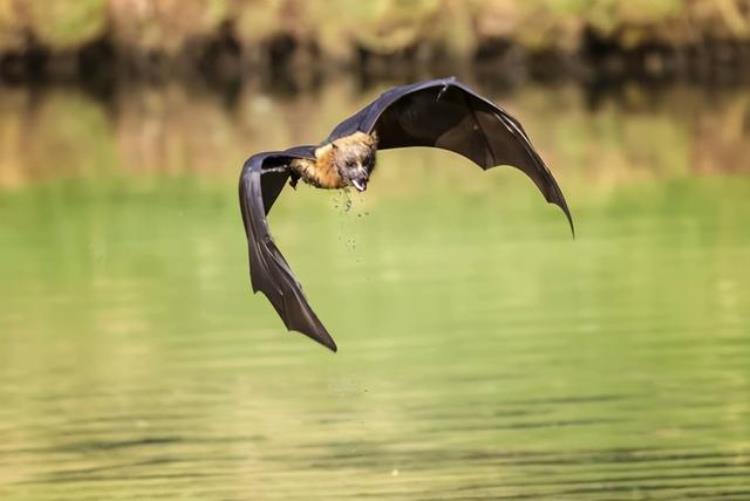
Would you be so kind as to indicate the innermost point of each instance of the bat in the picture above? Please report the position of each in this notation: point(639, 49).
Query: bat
point(442, 113)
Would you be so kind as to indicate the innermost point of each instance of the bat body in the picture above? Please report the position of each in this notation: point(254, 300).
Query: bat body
point(441, 113)
point(347, 161)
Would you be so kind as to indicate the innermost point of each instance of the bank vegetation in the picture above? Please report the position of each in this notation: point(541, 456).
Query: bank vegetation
point(226, 37)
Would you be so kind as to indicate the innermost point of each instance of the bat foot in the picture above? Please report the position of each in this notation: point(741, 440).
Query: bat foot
point(293, 181)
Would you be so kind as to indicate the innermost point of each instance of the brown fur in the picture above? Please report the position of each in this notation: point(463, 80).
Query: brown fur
point(322, 173)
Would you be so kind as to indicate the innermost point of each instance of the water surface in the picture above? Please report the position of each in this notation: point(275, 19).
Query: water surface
point(483, 352)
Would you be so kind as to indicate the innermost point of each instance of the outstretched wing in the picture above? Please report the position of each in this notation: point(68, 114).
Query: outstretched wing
point(263, 177)
point(447, 114)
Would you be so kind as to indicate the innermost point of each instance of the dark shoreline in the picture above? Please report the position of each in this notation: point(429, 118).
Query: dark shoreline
point(100, 67)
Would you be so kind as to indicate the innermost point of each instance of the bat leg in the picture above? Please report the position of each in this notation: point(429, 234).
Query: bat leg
point(294, 179)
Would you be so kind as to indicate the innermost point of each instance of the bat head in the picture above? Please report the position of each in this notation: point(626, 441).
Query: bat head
point(355, 160)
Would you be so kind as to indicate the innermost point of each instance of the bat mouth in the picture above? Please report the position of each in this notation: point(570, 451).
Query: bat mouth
point(360, 184)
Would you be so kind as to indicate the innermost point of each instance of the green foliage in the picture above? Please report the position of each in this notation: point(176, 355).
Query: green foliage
point(339, 28)
point(66, 24)
point(634, 21)
point(11, 26)
point(257, 21)
point(167, 25)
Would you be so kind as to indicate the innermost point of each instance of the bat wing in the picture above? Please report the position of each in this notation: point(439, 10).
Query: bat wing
point(447, 114)
point(262, 179)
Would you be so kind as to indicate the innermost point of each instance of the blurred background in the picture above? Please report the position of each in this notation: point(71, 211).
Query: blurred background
point(484, 353)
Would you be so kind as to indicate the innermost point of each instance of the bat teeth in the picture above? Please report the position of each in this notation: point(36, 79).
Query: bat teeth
point(360, 185)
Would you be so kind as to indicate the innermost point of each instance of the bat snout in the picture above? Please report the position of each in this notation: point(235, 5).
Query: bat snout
point(360, 184)
point(359, 178)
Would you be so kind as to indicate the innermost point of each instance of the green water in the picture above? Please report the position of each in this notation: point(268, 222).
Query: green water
point(484, 354)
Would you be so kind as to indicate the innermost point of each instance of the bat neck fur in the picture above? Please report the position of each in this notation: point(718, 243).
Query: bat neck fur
point(323, 172)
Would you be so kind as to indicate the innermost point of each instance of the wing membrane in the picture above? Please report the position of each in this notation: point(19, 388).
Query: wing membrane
point(446, 114)
point(269, 271)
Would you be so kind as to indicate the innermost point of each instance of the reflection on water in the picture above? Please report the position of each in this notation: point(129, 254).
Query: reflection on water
point(483, 353)
point(170, 129)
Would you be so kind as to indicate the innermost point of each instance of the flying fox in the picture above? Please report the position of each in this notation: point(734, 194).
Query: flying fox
point(442, 113)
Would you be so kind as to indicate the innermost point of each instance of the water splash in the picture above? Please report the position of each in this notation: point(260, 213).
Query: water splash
point(343, 200)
